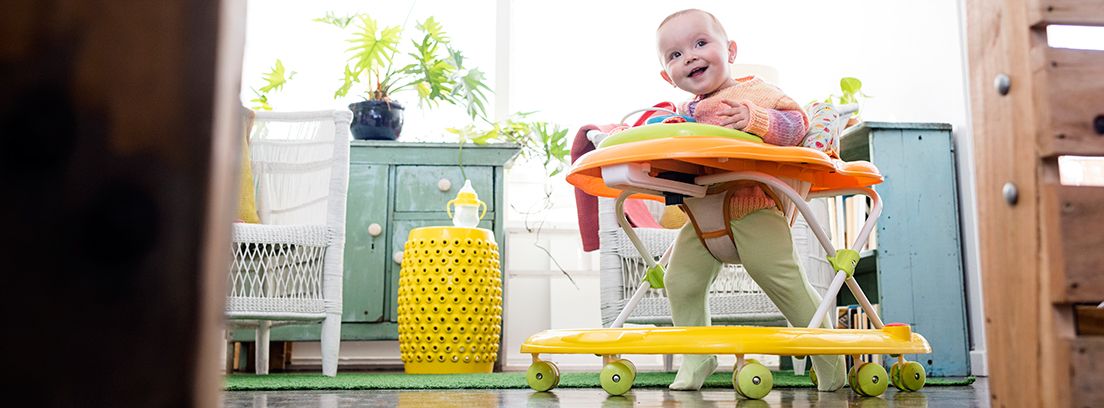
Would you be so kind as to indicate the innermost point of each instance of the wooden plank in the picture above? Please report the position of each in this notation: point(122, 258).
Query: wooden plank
point(1065, 12)
point(122, 137)
point(1090, 320)
point(1086, 369)
point(279, 356)
point(1071, 221)
point(1070, 86)
point(998, 43)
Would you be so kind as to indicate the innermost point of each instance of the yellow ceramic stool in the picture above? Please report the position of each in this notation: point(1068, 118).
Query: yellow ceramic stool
point(450, 301)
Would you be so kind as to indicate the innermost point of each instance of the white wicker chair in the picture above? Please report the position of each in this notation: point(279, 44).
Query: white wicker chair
point(288, 268)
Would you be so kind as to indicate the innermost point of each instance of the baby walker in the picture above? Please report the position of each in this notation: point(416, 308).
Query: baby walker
point(696, 165)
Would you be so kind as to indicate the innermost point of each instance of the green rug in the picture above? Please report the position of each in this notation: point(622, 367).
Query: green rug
point(372, 381)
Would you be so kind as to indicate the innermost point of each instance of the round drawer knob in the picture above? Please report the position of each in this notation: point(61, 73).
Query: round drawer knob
point(374, 230)
point(444, 184)
point(397, 257)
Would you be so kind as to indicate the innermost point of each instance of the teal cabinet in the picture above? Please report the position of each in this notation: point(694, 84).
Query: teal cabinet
point(395, 187)
point(916, 272)
point(365, 255)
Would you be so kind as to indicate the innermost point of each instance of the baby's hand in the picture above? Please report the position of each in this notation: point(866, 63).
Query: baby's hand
point(736, 116)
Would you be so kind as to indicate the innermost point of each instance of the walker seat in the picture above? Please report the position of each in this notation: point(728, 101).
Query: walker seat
point(693, 165)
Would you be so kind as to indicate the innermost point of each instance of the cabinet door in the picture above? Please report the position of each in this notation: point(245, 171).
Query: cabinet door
point(416, 187)
point(398, 241)
point(365, 255)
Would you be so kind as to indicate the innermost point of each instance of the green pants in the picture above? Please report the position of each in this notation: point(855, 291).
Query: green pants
point(767, 253)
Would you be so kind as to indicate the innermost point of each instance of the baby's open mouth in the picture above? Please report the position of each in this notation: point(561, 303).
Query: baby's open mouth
point(696, 71)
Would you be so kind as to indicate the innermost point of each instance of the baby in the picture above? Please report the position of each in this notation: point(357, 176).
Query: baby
point(696, 55)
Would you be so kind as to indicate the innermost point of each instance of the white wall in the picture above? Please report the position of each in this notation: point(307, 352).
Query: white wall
point(579, 62)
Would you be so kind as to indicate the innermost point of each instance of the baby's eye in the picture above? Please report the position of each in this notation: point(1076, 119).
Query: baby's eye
point(674, 55)
point(701, 43)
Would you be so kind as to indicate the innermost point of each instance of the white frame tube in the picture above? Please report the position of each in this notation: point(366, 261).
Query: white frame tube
point(799, 202)
point(781, 187)
point(619, 211)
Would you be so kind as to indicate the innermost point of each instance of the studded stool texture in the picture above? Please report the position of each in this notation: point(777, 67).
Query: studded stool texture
point(450, 301)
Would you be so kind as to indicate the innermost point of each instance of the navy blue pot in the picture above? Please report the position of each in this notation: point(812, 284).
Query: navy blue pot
point(376, 120)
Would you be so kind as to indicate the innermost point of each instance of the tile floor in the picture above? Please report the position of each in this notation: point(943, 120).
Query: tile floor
point(974, 395)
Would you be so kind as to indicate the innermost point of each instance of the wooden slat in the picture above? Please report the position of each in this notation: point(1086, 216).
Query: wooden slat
point(1066, 12)
point(1005, 152)
point(1086, 371)
point(1072, 220)
point(1090, 320)
point(1070, 96)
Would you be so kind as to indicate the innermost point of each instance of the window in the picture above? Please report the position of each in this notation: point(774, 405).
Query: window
point(283, 29)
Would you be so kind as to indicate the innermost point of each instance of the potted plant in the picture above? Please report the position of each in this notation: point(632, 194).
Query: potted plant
point(851, 93)
point(430, 67)
point(274, 81)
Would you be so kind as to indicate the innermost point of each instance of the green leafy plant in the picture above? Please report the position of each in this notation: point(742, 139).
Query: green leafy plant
point(537, 139)
point(274, 80)
point(429, 66)
point(851, 92)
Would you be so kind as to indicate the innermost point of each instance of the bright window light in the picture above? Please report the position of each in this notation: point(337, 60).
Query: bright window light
point(1081, 170)
point(1079, 37)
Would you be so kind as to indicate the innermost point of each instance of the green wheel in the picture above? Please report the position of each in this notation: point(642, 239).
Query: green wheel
point(630, 364)
point(746, 362)
point(753, 380)
point(894, 375)
point(851, 376)
point(812, 376)
point(617, 377)
point(871, 380)
point(912, 376)
point(543, 376)
point(557, 369)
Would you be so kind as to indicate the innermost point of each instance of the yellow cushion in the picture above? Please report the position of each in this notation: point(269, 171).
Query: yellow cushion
point(247, 201)
point(673, 217)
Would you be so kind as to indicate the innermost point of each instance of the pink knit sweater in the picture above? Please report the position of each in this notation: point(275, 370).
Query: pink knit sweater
point(774, 117)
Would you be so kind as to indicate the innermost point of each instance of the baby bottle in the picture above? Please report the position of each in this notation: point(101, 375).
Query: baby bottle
point(467, 207)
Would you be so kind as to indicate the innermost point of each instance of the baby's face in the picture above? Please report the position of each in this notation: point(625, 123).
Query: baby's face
point(694, 53)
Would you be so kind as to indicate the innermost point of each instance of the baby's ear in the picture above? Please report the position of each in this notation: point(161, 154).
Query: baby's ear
point(663, 74)
point(731, 51)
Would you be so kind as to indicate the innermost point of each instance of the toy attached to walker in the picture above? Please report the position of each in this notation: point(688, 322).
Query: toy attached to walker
point(696, 166)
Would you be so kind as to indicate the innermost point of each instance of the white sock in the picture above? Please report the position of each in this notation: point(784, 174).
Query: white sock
point(693, 372)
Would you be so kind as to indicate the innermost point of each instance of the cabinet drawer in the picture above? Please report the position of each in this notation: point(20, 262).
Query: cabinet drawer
point(416, 187)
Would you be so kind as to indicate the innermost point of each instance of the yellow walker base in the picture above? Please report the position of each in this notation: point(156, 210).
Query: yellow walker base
point(750, 378)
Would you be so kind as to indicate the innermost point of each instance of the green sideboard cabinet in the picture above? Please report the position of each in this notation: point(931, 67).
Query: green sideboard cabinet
point(395, 187)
